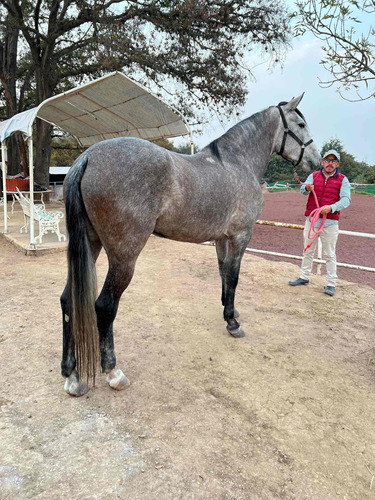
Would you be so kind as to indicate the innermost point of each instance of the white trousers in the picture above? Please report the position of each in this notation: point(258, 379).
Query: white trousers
point(328, 237)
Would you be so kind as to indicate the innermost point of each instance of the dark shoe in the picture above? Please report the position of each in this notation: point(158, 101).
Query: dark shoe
point(330, 290)
point(298, 282)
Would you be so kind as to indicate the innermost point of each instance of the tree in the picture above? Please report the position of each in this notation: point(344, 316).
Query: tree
point(65, 150)
point(8, 79)
point(278, 170)
point(349, 56)
point(198, 45)
point(185, 148)
point(355, 171)
point(282, 170)
point(360, 172)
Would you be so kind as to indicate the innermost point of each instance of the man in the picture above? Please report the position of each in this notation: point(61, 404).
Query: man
point(333, 192)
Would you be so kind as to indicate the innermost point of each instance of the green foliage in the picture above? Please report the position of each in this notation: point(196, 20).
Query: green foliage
point(185, 148)
point(278, 170)
point(182, 148)
point(164, 143)
point(65, 151)
point(359, 172)
point(282, 170)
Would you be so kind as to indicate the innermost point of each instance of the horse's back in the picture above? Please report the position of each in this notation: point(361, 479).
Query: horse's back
point(119, 164)
point(134, 187)
point(123, 188)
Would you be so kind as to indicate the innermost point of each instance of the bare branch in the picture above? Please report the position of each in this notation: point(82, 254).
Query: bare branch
point(349, 57)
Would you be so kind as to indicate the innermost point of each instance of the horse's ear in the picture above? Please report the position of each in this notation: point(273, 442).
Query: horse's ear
point(293, 103)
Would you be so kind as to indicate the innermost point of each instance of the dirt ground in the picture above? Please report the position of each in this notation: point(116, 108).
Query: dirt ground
point(286, 412)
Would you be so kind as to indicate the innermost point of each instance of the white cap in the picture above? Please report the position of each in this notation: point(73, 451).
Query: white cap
point(332, 152)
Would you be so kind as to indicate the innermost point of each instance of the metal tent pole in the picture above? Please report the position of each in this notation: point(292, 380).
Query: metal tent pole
point(4, 169)
point(191, 143)
point(31, 188)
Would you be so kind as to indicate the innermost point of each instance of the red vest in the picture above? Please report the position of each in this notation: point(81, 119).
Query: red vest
point(327, 192)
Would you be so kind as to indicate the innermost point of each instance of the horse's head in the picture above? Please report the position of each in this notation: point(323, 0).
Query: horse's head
point(293, 139)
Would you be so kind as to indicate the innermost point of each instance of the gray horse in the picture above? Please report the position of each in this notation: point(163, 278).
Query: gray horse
point(121, 191)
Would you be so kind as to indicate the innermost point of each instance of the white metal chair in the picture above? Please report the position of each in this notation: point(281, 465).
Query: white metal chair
point(48, 220)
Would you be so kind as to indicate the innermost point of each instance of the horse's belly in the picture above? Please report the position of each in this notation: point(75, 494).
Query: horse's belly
point(191, 230)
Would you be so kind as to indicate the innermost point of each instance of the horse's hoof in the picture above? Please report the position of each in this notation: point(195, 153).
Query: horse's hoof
point(74, 386)
point(117, 380)
point(236, 332)
point(236, 314)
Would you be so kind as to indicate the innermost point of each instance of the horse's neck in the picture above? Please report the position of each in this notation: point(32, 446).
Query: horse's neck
point(252, 141)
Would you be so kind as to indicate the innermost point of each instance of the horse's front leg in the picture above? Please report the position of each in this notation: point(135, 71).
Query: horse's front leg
point(73, 384)
point(221, 247)
point(222, 252)
point(231, 270)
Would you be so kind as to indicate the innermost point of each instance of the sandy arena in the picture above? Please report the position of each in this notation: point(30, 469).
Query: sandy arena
point(286, 412)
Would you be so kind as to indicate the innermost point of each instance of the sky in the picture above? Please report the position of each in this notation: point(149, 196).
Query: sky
point(327, 114)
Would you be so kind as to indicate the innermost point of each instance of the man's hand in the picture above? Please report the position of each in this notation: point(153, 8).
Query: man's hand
point(309, 187)
point(326, 209)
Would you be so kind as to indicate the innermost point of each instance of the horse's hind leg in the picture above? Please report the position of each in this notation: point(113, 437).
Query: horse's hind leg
point(74, 385)
point(117, 280)
point(222, 252)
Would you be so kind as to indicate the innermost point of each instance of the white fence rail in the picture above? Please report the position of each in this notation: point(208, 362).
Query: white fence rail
point(279, 186)
point(319, 260)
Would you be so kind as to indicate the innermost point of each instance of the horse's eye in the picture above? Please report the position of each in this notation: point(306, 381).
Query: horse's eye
point(301, 125)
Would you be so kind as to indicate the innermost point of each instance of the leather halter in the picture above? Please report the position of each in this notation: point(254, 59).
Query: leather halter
point(293, 135)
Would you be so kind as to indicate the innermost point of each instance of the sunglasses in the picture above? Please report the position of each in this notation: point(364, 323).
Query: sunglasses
point(334, 162)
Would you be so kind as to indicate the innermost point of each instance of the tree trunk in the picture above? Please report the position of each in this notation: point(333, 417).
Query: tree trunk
point(17, 157)
point(42, 155)
point(13, 164)
point(23, 155)
point(45, 85)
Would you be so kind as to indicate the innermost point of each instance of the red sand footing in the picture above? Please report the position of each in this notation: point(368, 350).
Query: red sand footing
point(289, 206)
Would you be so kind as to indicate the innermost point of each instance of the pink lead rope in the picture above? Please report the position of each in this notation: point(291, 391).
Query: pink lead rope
point(313, 217)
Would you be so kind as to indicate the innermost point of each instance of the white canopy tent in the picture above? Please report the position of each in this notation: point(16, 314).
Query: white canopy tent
point(109, 107)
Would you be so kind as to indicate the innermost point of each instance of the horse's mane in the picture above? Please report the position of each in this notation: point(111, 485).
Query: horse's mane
point(214, 145)
point(215, 149)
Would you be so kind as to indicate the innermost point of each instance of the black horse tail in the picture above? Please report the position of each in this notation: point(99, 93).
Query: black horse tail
point(82, 287)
